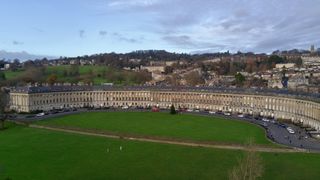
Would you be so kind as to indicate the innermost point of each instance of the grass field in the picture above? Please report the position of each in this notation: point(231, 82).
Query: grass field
point(59, 71)
point(181, 126)
point(83, 70)
point(40, 154)
point(96, 74)
point(12, 74)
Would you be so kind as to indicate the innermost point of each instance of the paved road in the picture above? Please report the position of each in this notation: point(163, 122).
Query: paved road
point(279, 134)
point(274, 131)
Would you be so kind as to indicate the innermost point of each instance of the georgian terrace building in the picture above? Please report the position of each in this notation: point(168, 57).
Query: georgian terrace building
point(277, 104)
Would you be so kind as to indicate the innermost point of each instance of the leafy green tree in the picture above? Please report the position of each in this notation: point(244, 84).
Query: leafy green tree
point(3, 103)
point(168, 70)
point(194, 78)
point(274, 59)
point(65, 73)
point(299, 62)
point(239, 79)
point(173, 110)
point(74, 70)
point(2, 76)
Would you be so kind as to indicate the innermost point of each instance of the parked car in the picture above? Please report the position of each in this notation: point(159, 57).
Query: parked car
point(30, 116)
point(282, 125)
point(240, 115)
point(40, 114)
point(66, 110)
point(219, 112)
point(290, 130)
point(12, 116)
point(155, 109)
point(227, 114)
point(125, 107)
point(212, 112)
point(265, 120)
point(54, 111)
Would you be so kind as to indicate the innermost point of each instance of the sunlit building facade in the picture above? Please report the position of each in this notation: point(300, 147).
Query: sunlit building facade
point(306, 111)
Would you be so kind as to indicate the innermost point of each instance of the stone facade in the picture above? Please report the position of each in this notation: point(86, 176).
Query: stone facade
point(45, 98)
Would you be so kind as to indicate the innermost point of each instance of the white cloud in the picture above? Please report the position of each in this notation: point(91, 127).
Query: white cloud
point(129, 3)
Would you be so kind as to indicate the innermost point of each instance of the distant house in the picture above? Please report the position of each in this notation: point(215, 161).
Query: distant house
point(276, 82)
point(266, 75)
point(7, 66)
point(308, 88)
point(227, 79)
point(309, 60)
point(285, 65)
point(212, 60)
point(74, 62)
point(107, 84)
point(84, 62)
point(158, 76)
point(135, 60)
point(295, 81)
point(160, 69)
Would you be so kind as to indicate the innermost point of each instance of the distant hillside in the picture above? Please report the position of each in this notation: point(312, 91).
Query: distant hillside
point(144, 56)
point(21, 56)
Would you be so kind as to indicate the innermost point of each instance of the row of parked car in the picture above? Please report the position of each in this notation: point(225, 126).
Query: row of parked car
point(54, 111)
point(289, 129)
point(263, 119)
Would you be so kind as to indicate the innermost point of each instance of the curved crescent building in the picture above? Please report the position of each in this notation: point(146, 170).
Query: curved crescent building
point(302, 109)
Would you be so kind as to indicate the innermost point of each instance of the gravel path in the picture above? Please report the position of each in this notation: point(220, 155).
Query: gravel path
point(175, 142)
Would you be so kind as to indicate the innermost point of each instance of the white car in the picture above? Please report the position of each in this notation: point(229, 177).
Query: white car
point(125, 107)
point(189, 110)
point(212, 112)
point(290, 130)
point(227, 114)
point(265, 120)
point(240, 115)
point(197, 110)
point(40, 114)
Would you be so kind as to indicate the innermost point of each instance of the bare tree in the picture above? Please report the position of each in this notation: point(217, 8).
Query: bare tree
point(248, 168)
point(3, 103)
point(52, 79)
point(194, 78)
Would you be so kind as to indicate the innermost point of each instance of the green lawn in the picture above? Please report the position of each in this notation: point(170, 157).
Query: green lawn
point(13, 74)
point(59, 71)
point(84, 71)
point(33, 154)
point(181, 126)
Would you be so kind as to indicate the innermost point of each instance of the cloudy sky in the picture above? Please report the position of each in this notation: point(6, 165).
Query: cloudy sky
point(78, 27)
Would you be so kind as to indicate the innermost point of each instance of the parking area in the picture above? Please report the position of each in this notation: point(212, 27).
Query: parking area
point(283, 133)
